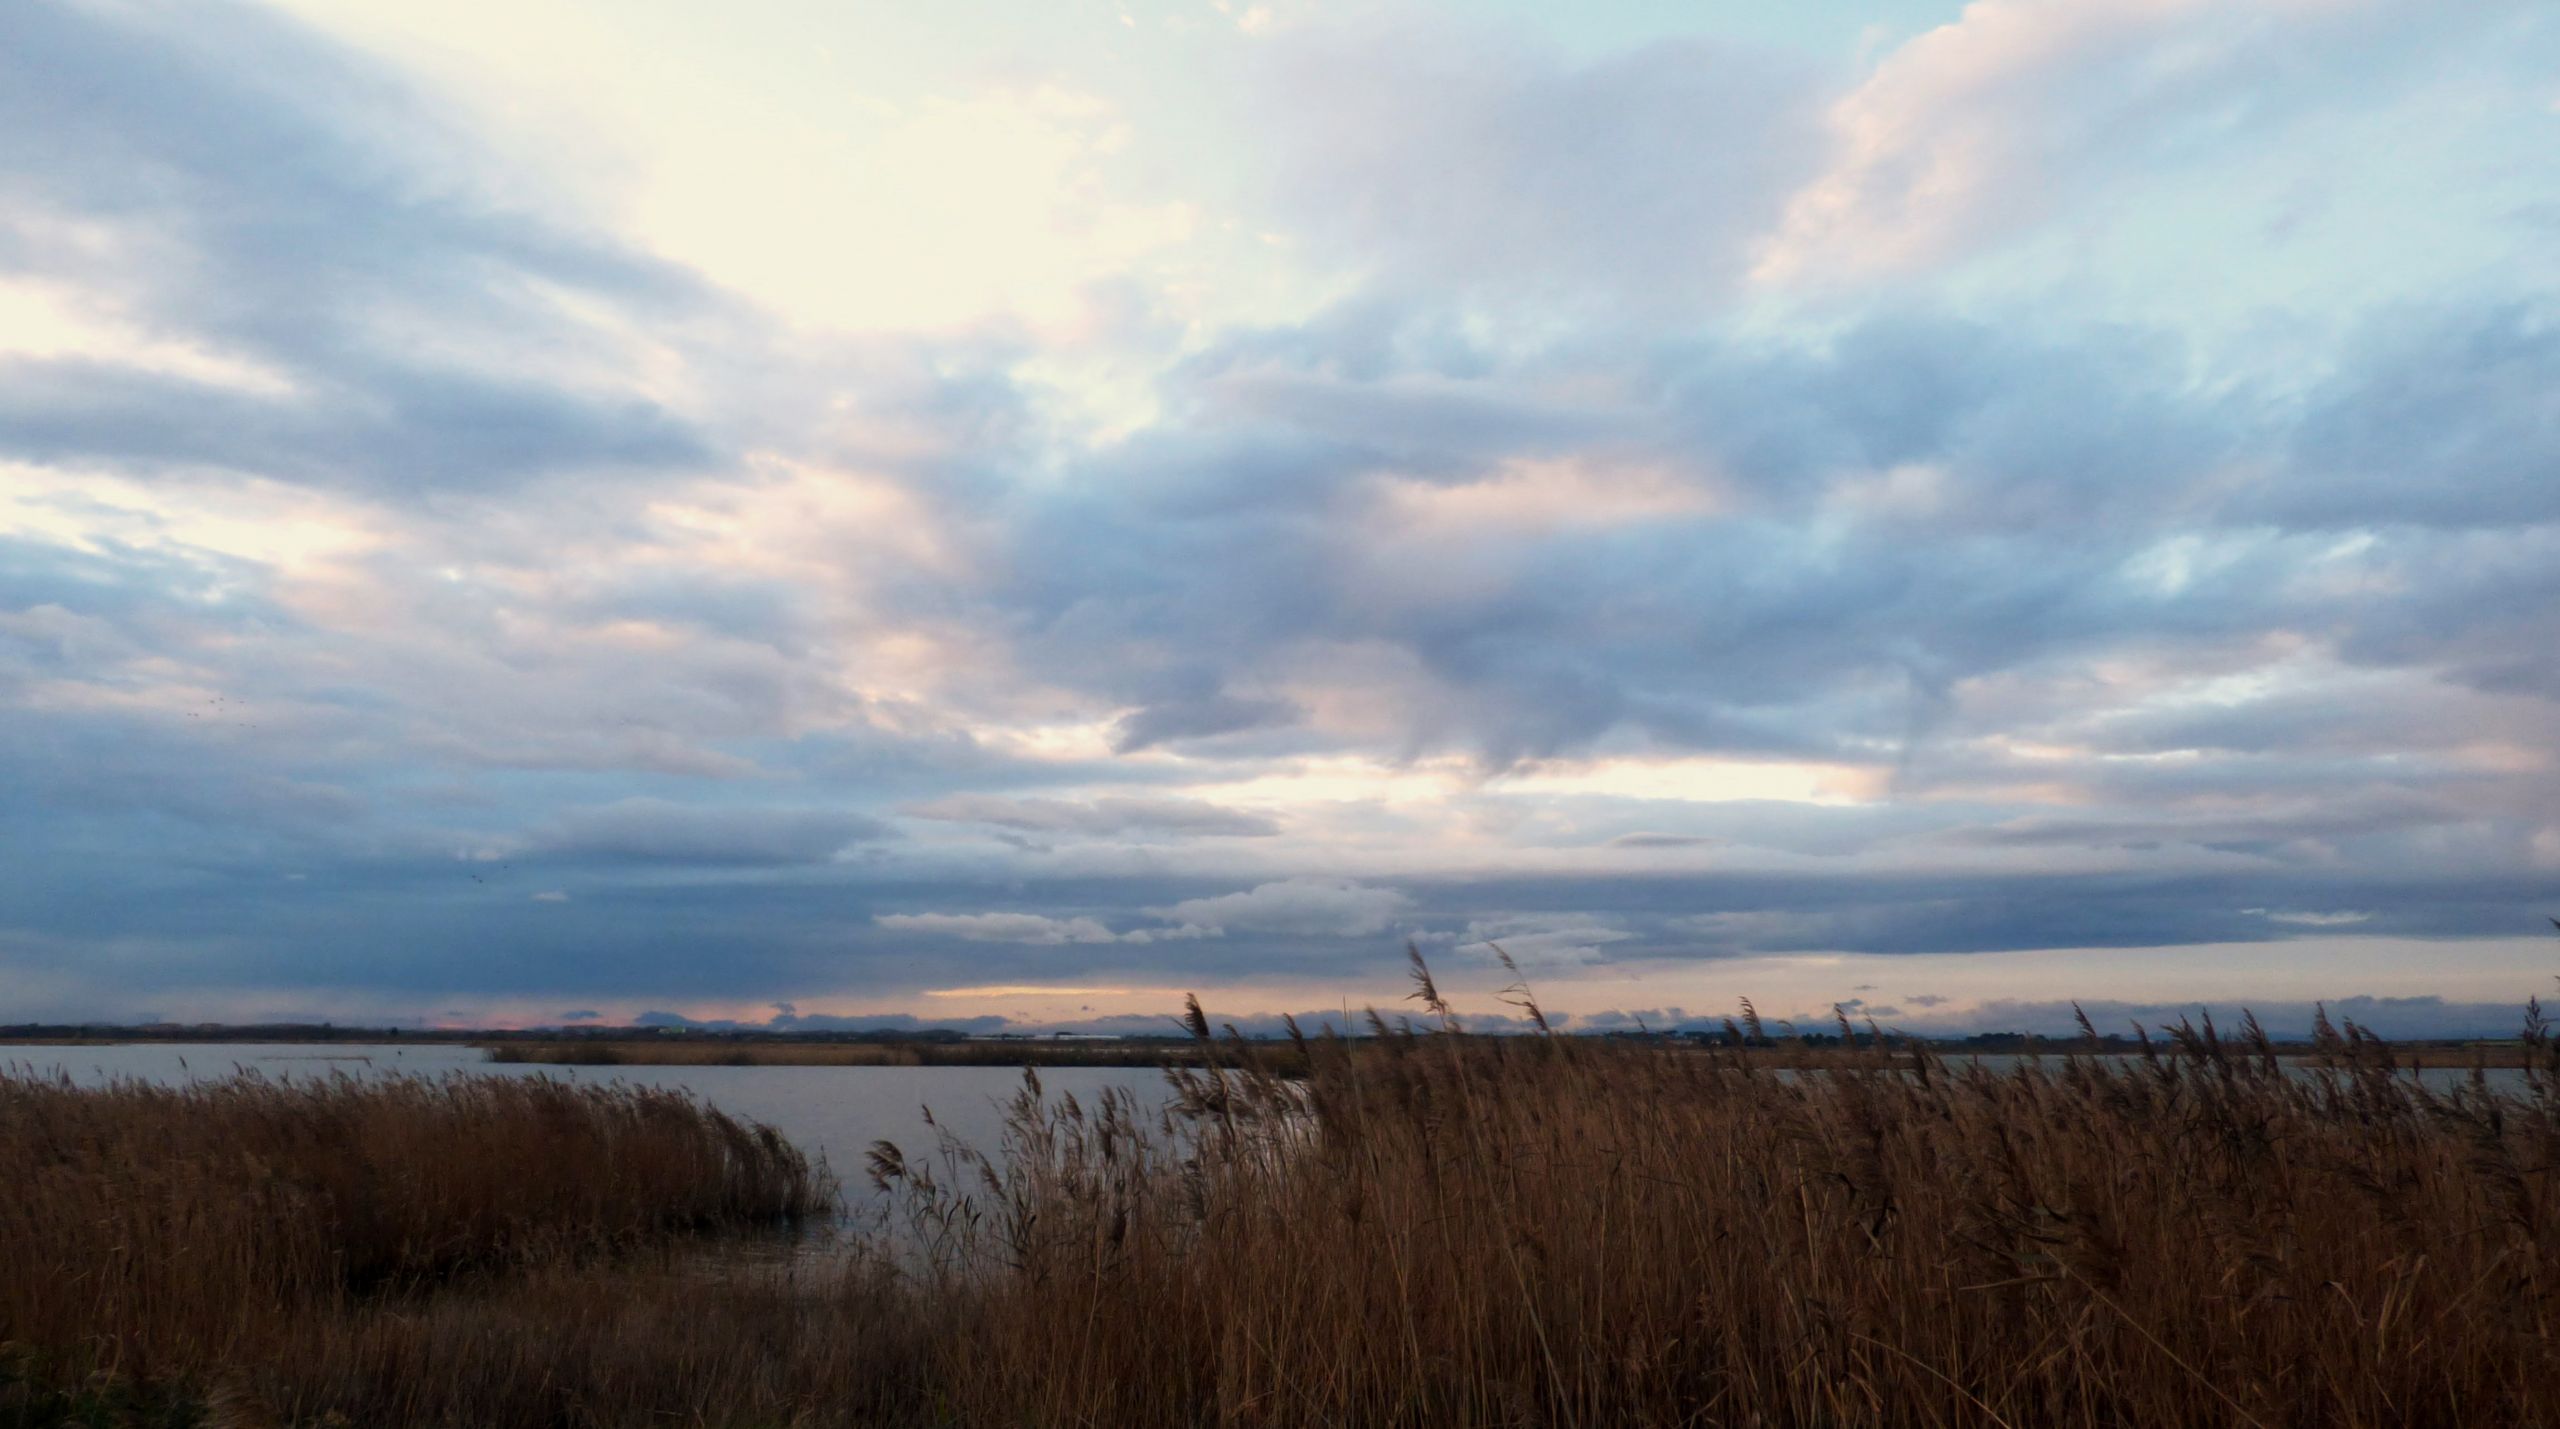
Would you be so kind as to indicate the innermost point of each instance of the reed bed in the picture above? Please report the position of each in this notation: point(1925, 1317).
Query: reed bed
point(664, 1338)
point(1435, 1229)
point(1422, 1227)
point(151, 1233)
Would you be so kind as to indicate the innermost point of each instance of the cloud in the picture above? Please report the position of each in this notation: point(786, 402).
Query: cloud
point(999, 927)
point(206, 173)
point(2317, 920)
point(1043, 990)
point(1306, 907)
point(1455, 156)
point(1170, 721)
point(1978, 127)
point(653, 830)
point(1028, 928)
point(2424, 1015)
point(1431, 540)
point(1106, 817)
point(2441, 418)
point(1546, 941)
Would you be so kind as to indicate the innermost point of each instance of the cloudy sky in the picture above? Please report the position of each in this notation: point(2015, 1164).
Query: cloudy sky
point(1011, 509)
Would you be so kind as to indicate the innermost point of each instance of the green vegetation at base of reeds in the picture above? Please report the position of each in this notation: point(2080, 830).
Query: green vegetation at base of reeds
point(34, 1393)
point(1434, 1229)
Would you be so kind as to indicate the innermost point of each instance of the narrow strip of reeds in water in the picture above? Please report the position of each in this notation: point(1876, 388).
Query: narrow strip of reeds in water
point(150, 1229)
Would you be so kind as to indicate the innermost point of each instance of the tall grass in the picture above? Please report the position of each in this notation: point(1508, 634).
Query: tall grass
point(1424, 1228)
point(651, 1341)
point(1436, 1229)
point(148, 1231)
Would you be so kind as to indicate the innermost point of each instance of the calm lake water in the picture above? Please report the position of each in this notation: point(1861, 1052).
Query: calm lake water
point(834, 1112)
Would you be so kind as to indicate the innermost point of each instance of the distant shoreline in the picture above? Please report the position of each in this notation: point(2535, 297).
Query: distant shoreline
point(691, 1047)
point(674, 1052)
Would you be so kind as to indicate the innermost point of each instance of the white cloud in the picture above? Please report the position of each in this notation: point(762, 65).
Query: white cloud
point(46, 321)
point(661, 830)
point(1453, 155)
point(1979, 126)
point(1106, 817)
point(1318, 907)
point(1032, 928)
point(995, 203)
point(1546, 940)
point(537, 552)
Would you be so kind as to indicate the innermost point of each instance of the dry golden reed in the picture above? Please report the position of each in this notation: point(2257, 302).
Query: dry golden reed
point(155, 1231)
point(1441, 1229)
point(1425, 1228)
